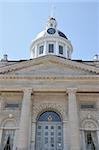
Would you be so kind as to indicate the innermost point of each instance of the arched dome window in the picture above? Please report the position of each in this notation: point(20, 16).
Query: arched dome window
point(61, 49)
point(49, 116)
point(51, 48)
point(41, 49)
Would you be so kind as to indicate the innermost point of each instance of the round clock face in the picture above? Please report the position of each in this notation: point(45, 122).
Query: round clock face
point(51, 30)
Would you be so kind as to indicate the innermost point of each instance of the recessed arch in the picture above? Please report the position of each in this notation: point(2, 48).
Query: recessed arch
point(89, 137)
point(49, 116)
point(8, 123)
point(89, 124)
point(38, 110)
point(8, 126)
point(56, 116)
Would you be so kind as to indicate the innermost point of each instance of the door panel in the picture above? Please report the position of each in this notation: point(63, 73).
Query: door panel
point(49, 136)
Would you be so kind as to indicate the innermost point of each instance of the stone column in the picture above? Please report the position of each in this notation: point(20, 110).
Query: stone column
point(73, 120)
point(23, 140)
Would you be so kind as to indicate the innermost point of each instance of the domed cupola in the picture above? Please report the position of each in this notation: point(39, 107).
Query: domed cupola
point(51, 41)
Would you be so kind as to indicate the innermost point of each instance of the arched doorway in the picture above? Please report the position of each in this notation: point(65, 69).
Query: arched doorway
point(49, 131)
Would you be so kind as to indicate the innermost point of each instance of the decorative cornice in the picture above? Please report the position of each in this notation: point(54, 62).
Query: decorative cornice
point(54, 38)
point(47, 59)
point(80, 89)
point(58, 78)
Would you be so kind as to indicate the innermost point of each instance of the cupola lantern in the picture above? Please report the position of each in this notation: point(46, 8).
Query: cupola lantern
point(51, 41)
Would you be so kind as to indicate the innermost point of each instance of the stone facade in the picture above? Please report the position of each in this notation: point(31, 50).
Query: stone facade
point(49, 84)
point(36, 93)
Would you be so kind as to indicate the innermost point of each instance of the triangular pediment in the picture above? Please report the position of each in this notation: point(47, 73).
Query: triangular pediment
point(49, 66)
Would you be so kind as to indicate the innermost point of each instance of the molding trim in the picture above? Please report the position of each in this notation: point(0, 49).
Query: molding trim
point(42, 107)
point(83, 77)
point(45, 59)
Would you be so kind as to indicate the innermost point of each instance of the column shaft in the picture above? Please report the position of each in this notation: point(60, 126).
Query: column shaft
point(73, 120)
point(25, 121)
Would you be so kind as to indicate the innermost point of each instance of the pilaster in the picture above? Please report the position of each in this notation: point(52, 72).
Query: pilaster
point(45, 48)
point(73, 119)
point(65, 51)
point(36, 51)
point(57, 49)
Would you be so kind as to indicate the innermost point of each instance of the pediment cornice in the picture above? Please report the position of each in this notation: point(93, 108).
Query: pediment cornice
point(46, 60)
point(54, 78)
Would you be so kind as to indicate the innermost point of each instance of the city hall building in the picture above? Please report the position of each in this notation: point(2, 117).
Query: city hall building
point(49, 102)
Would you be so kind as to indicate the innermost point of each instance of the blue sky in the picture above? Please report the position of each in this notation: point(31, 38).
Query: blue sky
point(22, 20)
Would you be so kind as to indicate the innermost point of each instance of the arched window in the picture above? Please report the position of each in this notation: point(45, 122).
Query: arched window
point(7, 139)
point(90, 140)
point(61, 49)
point(89, 135)
point(51, 48)
point(8, 135)
point(41, 49)
point(49, 116)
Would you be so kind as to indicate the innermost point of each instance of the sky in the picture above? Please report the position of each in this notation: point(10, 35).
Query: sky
point(22, 20)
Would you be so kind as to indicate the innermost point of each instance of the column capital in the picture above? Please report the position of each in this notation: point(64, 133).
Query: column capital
point(2, 96)
point(27, 90)
point(71, 90)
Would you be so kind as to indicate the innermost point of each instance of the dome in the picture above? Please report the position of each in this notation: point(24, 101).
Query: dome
point(41, 34)
point(62, 34)
point(51, 41)
point(51, 24)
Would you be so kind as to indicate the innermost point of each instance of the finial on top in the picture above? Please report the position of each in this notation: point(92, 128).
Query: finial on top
point(52, 13)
